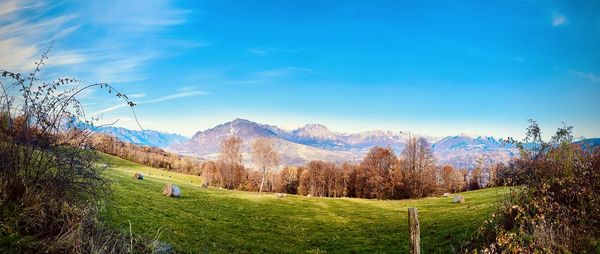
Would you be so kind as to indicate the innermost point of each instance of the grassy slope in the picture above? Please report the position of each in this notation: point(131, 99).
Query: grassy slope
point(213, 220)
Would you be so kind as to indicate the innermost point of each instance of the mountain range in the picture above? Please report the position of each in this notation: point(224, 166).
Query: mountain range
point(317, 142)
point(142, 137)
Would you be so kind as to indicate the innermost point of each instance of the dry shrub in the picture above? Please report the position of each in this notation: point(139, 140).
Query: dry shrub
point(555, 207)
point(51, 189)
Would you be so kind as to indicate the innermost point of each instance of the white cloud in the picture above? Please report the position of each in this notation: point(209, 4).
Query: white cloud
point(263, 51)
point(15, 56)
point(256, 51)
point(136, 95)
point(155, 100)
point(559, 19)
point(10, 7)
point(128, 37)
point(137, 15)
point(22, 39)
point(588, 76)
point(282, 72)
point(109, 109)
point(175, 96)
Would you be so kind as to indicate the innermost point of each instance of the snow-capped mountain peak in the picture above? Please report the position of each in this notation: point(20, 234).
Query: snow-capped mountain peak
point(314, 131)
point(317, 142)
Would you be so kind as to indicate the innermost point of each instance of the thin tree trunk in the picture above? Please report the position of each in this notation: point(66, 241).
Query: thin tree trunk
point(262, 182)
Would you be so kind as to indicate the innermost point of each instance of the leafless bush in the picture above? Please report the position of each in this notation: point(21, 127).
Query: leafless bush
point(555, 207)
point(51, 188)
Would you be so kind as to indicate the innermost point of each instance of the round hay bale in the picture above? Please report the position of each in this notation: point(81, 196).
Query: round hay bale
point(138, 176)
point(446, 194)
point(458, 199)
point(171, 190)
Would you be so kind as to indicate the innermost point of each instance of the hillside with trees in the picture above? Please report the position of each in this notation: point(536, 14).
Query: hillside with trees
point(380, 175)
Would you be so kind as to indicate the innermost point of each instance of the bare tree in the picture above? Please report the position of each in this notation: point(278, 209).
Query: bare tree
point(417, 158)
point(231, 158)
point(289, 179)
point(264, 156)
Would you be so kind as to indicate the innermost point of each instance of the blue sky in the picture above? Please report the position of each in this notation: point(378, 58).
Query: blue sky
point(429, 67)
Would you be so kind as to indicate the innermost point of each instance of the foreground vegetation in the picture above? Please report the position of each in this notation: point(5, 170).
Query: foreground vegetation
point(51, 188)
point(556, 208)
point(215, 220)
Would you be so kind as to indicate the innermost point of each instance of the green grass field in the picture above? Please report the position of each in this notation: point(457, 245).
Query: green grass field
point(213, 220)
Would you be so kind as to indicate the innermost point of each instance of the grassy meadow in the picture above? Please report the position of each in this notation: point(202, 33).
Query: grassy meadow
point(223, 221)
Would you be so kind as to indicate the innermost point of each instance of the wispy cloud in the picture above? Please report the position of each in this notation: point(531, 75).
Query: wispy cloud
point(479, 52)
point(263, 51)
point(137, 95)
point(242, 75)
point(559, 19)
point(283, 72)
point(22, 38)
point(585, 75)
point(28, 26)
point(151, 101)
point(187, 89)
point(175, 96)
point(10, 7)
point(137, 15)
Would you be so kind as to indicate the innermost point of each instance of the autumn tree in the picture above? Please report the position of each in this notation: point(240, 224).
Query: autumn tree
point(289, 179)
point(418, 163)
point(447, 175)
point(346, 181)
point(458, 182)
point(381, 158)
point(304, 184)
point(252, 182)
point(265, 157)
point(316, 178)
point(376, 177)
point(452, 179)
point(476, 179)
point(149, 156)
point(210, 173)
point(231, 168)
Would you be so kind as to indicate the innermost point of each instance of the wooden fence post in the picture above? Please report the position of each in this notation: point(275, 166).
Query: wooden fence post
point(414, 231)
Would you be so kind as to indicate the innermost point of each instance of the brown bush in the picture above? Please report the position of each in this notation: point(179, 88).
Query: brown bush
point(51, 189)
point(555, 207)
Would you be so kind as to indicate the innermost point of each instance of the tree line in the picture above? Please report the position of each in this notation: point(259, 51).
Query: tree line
point(380, 175)
point(146, 155)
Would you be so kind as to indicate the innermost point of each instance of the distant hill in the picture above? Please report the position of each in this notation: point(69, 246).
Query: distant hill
point(464, 151)
point(317, 142)
point(589, 143)
point(207, 144)
point(142, 137)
